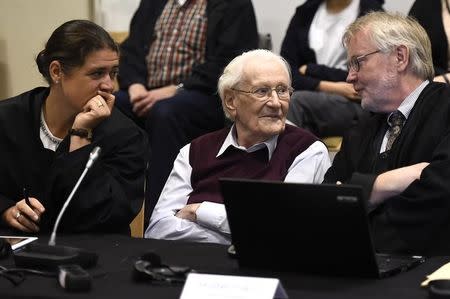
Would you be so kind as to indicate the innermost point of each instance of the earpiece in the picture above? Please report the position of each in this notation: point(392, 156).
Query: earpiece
point(152, 258)
point(439, 289)
point(150, 268)
point(145, 262)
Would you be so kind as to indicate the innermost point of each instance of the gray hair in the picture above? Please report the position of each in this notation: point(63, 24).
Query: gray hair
point(388, 30)
point(234, 71)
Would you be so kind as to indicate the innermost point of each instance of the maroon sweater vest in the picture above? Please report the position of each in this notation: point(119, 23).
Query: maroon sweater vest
point(235, 163)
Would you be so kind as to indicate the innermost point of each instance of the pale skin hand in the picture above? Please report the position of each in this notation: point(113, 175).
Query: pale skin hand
point(188, 212)
point(30, 216)
point(302, 69)
point(143, 100)
point(94, 112)
point(395, 181)
point(440, 78)
point(341, 88)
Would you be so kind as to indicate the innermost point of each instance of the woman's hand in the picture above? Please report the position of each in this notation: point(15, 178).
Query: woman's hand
point(94, 112)
point(24, 217)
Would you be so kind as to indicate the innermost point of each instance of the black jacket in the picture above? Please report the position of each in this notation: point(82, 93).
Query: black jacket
point(417, 220)
point(231, 30)
point(112, 191)
point(429, 15)
point(295, 47)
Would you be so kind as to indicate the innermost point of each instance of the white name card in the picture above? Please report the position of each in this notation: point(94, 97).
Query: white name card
point(209, 286)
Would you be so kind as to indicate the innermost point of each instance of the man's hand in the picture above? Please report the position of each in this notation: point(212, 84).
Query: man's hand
point(441, 78)
point(137, 92)
point(302, 69)
point(24, 217)
point(143, 102)
point(395, 181)
point(188, 212)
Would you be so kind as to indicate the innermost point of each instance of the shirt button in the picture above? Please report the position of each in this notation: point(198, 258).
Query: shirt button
point(175, 31)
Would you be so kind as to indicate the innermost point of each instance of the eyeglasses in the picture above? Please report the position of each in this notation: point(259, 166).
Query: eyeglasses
point(264, 93)
point(355, 62)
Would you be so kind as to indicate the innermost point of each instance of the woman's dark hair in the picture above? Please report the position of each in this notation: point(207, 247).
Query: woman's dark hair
point(71, 43)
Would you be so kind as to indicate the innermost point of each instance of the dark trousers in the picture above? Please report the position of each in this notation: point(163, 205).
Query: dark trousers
point(322, 113)
point(171, 124)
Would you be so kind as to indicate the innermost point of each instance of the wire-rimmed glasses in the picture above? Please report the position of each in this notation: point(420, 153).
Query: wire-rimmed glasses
point(354, 63)
point(263, 93)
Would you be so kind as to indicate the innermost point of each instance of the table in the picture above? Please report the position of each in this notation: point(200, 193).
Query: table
point(117, 254)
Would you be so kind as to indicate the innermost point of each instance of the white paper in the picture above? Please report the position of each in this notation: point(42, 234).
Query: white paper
point(209, 286)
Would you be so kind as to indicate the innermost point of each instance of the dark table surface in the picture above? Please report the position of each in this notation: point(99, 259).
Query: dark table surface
point(117, 254)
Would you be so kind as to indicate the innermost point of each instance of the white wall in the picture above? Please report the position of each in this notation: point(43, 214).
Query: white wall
point(25, 26)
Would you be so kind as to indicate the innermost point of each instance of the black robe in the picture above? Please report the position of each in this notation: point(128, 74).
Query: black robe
point(418, 219)
point(112, 191)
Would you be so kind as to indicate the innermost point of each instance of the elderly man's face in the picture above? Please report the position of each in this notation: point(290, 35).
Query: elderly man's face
point(377, 78)
point(258, 119)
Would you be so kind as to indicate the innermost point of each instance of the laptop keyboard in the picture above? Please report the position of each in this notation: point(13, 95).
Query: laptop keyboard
point(402, 263)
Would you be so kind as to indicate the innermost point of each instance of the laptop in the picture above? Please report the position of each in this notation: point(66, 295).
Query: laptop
point(308, 228)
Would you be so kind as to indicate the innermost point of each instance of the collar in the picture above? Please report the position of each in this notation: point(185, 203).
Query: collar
point(409, 102)
point(231, 140)
point(181, 2)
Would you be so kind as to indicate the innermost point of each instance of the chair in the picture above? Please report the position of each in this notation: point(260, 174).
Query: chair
point(118, 37)
point(333, 143)
point(137, 225)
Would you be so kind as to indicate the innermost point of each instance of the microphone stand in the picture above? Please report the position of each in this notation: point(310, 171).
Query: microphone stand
point(51, 256)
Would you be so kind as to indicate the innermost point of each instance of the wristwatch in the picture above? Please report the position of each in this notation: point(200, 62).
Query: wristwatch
point(179, 86)
point(83, 133)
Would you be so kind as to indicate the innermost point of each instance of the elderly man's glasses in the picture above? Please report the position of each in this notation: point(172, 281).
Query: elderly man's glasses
point(355, 62)
point(264, 93)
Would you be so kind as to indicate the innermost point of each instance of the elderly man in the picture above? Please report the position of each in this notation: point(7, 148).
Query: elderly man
point(169, 66)
point(401, 153)
point(255, 89)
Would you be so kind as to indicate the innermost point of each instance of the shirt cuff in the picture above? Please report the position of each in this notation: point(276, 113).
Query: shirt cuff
point(213, 216)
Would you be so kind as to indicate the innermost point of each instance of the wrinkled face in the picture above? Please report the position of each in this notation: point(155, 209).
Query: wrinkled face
point(98, 72)
point(259, 118)
point(377, 77)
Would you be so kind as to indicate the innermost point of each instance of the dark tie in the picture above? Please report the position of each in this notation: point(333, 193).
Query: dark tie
point(396, 121)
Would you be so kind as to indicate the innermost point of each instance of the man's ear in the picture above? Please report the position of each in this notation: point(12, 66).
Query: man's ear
point(55, 70)
point(402, 56)
point(230, 102)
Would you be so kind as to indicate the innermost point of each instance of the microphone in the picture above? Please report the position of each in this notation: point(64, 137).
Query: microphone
point(93, 156)
point(51, 256)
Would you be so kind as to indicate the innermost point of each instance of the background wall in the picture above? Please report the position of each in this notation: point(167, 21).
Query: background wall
point(25, 25)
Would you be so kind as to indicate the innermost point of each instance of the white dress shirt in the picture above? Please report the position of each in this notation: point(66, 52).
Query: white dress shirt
point(212, 224)
point(405, 108)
